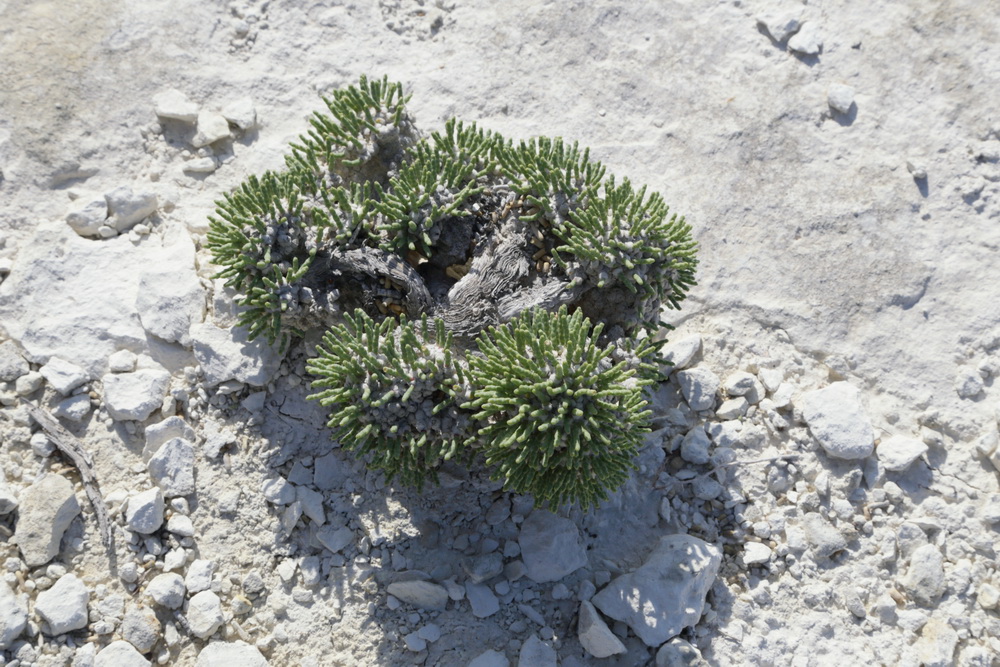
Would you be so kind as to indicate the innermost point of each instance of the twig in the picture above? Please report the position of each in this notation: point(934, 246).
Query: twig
point(67, 443)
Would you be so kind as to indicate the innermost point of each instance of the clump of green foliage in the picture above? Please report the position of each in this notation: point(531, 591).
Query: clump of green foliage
point(530, 282)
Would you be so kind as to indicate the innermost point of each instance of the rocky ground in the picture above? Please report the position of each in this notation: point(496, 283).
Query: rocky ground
point(821, 485)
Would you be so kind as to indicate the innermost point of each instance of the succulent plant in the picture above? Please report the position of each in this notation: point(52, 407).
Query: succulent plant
point(560, 420)
point(458, 276)
point(394, 391)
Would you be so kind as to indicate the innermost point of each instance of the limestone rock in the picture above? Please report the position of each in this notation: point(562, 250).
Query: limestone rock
point(144, 514)
point(241, 113)
point(199, 575)
point(679, 653)
point(170, 301)
point(167, 590)
point(807, 40)
point(840, 97)
point(226, 354)
point(667, 593)
point(680, 353)
point(88, 214)
point(824, 537)
point(126, 207)
point(936, 645)
point(47, 508)
point(837, 420)
point(8, 500)
point(135, 396)
point(159, 433)
point(925, 580)
point(551, 547)
point(423, 594)
point(74, 408)
point(13, 616)
point(490, 658)
point(62, 375)
point(12, 364)
point(211, 128)
point(230, 654)
point(64, 606)
point(141, 628)
point(172, 468)
point(536, 653)
point(204, 614)
point(484, 602)
point(174, 104)
point(698, 385)
point(897, 452)
point(595, 637)
point(120, 654)
point(780, 25)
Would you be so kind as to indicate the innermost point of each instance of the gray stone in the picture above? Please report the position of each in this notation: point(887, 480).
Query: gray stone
point(141, 628)
point(484, 602)
point(120, 654)
point(679, 653)
point(807, 40)
point(144, 514)
point(47, 508)
point(679, 354)
point(135, 396)
point(64, 606)
point(594, 635)
point(430, 632)
point(13, 616)
point(489, 658)
point(63, 376)
point(230, 654)
point(212, 127)
point(837, 420)
point(840, 97)
point(167, 590)
point(780, 26)
point(241, 113)
point(12, 364)
point(226, 354)
point(278, 491)
point(170, 301)
point(536, 653)
point(29, 383)
point(126, 207)
point(732, 408)
point(335, 539)
point(88, 214)
point(199, 576)
point(329, 472)
point(897, 452)
point(172, 468)
point(423, 594)
point(159, 433)
point(667, 593)
point(699, 385)
point(415, 642)
point(74, 408)
point(175, 105)
point(823, 536)
point(312, 504)
point(924, 579)
point(551, 547)
point(8, 500)
point(969, 383)
point(694, 446)
point(483, 568)
point(180, 525)
point(204, 614)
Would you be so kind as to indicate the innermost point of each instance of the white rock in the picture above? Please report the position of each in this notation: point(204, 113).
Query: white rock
point(807, 40)
point(414, 642)
point(312, 505)
point(141, 628)
point(47, 508)
point(551, 547)
point(430, 632)
point(936, 645)
point(823, 536)
point(732, 408)
point(41, 446)
point(241, 113)
point(170, 301)
point(536, 653)
point(780, 25)
point(679, 653)
point(423, 594)
point(204, 614)
point(122, 361)
point(200, 165)
point(226, 354)
point(74, 408)
point(840, 97)
point(64, 606)
point(968, 383)
point(172, 468)
point(698, 385)
point(88, 215)
point(925, 580)
point(14, 616)
point(29, 383)
point(667, 593)
point(175, 105)
point(738, 383)
point(126, 207)
point(278, 491)
point(694, 446)
point(755, 553)
point(594, 635)
point(211, 128)
point(335, 539)
point(489, 658)
point(180, 525)
point(63, 376)
point(916, 168)
point(159, 433)
point(8, 499)
point(135, 396)
point(988, 596)
point(12, 364)
point(771, 378)
point(199, 576)
point(679, 354)
point(144, 514)
point(286, 570)
point(484, 602)
point(167, 590)
point(897, 452)
point(230, 654)
point(120, 654)
point(837, 420)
